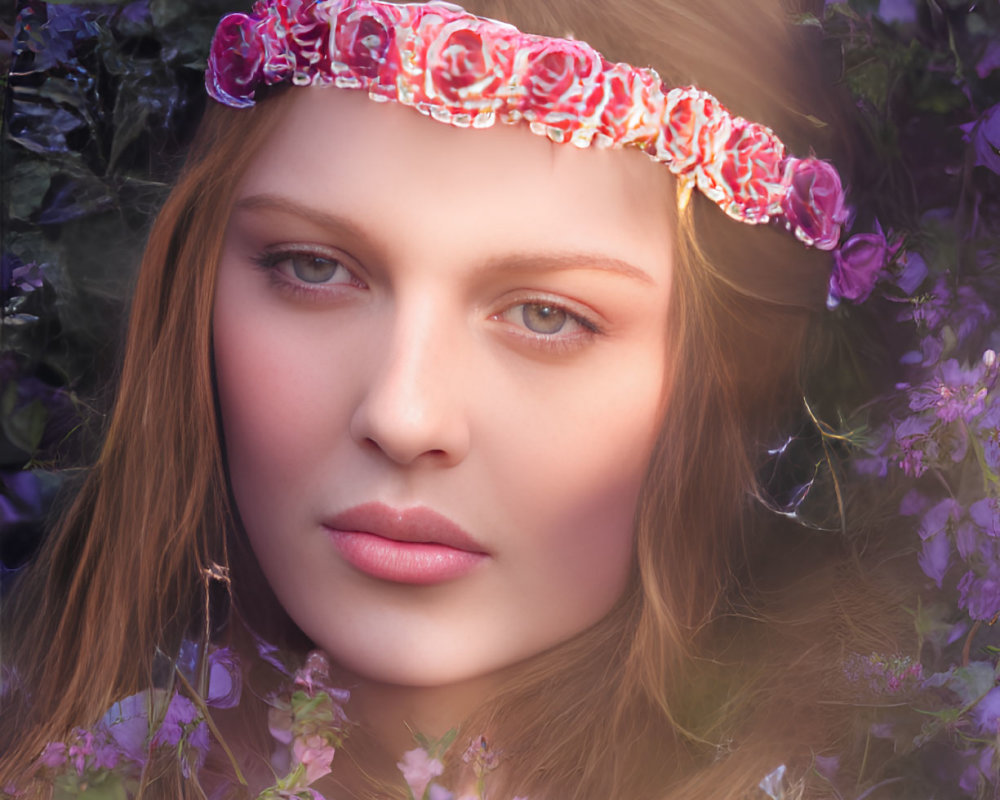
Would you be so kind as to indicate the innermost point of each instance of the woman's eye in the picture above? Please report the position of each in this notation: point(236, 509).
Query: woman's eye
point(311, 268)
point(543, 318)
point(549, 321)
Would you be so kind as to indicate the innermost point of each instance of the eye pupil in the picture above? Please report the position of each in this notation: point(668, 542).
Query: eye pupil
point(542, 318)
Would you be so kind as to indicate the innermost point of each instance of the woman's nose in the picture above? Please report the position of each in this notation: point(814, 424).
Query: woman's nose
point(413, 407)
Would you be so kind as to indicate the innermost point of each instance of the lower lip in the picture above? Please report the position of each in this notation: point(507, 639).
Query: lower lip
point(417, 563)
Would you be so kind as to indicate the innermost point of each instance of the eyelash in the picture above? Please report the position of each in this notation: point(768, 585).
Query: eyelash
point(268, 261)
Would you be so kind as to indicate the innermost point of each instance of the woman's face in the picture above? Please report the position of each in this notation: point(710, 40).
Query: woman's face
point(440, 358)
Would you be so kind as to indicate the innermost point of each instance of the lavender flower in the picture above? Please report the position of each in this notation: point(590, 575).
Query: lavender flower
point(987, 713)
point(934, 557)
point(915, 445)
point(988, 434)
point(984, 135)
point(980, 595)
point(955, 393)
point(986, 514)
point(979, 772)
point(225, 680)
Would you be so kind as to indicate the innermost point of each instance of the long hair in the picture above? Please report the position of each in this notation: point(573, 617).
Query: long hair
point(704, 677)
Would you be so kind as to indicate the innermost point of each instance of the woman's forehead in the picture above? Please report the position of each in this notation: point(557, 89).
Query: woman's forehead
point(341, 153)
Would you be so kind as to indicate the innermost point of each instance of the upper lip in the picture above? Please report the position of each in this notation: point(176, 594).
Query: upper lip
point(417, 524)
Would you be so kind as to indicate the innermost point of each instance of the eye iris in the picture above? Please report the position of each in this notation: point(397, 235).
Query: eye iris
point(542, 318)
point(312, 269)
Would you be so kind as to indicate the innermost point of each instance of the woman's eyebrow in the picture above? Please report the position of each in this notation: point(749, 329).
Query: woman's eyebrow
point(554, 262)
point(541, 261)
point(323, 219)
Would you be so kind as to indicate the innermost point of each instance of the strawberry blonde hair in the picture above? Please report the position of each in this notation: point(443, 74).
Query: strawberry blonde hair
point(720, 661)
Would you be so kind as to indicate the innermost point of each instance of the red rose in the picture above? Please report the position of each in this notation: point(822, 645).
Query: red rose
point(745, 178)
point(308, 43)
point(235, 63)
point(813, 204)
point(696, 128)
point(632, 113)
point(279, 61)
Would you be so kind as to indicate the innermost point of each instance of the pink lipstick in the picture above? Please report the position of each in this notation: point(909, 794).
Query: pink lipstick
point(416, 545)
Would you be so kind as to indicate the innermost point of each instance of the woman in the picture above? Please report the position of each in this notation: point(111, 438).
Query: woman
point(478, 415)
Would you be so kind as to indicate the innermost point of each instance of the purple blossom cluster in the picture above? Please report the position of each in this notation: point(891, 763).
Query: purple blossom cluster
point(114, 754)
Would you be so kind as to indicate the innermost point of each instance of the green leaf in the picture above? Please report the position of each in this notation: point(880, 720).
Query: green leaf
point(25, 426)
point(30, 180)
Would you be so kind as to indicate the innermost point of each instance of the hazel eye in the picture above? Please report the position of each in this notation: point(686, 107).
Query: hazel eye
point(548, 324)
point(544, 318)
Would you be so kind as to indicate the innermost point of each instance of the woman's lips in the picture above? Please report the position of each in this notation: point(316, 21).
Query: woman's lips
point(416, 545)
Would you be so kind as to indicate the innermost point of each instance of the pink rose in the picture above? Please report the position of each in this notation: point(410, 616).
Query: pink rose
point(308, 44)
point(236, 61)
point(363, 43)
point(563, 88)
point(813, 205)
point(467, 65)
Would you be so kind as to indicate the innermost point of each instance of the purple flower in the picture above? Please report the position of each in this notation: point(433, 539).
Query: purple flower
point(184, 723)
point(813, 205)
point(937, 519)
point(930, 309)
point(15, 273)
point(127, 724)
point(970, 312)
point(990, 60)
point(980, 771)
point(931, 348)
point(981, 595)
point(954, 393)
point(910, 271)
point(54, 755)
point(966, 539)
point(236, 62)
point(987, 712)
point(984, 134)
point(988, 434)
point(934, 557)
point(181, 714)
point(914, 443)
point(986, 514)
point(856, 267)
point(225, 680)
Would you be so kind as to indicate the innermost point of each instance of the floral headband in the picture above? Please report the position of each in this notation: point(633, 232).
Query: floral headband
point(471, 71)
